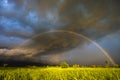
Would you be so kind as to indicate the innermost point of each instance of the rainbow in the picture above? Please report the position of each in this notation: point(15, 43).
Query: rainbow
point(77, 34)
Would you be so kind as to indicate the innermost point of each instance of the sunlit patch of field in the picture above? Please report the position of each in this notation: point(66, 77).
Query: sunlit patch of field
point(53, 73)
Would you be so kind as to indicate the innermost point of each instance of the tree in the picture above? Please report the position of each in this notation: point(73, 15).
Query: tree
point(5, 65)
point(76, 66)
point(93, 66)
point(116, 65)
point(64, 64)
point(107, 63)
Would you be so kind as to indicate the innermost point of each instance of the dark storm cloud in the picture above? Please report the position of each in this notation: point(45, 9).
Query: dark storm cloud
point(14, 27)
point(20, 20)
point(9, 42)
point(25, 19)
point(92, 18)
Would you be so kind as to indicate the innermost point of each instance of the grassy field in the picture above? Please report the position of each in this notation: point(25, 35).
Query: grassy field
point(53, 73)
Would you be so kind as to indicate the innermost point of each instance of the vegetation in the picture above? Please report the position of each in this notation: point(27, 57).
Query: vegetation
point(107, 64)
point(62, 72)
point(64, 65)
point(93, 66)
point(53, 73)
point(76, 66)
point(116, 65)
point(5, 65)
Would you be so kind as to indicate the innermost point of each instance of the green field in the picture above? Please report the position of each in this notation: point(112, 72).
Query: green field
point(52, 73)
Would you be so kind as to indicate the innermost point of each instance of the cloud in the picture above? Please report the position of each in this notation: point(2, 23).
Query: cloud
point(27, 55)
point(14, 27)
point(94, 18)
point(10, 41)
point(22, 20)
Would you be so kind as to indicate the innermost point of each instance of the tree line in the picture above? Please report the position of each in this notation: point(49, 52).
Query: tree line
point(66, 65)
point(107, 65)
